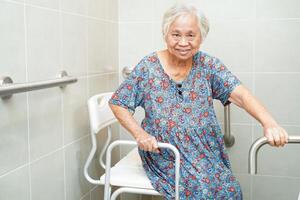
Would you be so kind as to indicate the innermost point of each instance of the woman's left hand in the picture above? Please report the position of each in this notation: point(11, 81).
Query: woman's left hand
point(276, 135)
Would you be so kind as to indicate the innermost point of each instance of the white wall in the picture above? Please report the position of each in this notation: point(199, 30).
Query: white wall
point(44, 135)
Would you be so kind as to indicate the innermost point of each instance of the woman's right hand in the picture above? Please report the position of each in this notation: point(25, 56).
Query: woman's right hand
point(147, 142)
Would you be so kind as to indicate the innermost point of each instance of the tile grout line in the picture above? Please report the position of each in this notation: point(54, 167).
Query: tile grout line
point(62, 99)
point(87, 68)
point(27, 101)
point(69, 13)
point(253, 85)
point(118, 74)
point(45, 155)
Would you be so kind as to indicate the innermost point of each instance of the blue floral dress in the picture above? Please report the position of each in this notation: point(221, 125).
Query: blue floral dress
point(183, 114)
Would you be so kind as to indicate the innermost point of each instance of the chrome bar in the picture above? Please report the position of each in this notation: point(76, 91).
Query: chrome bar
point(228, 137)
point(133, 143)
point(252, 167)
point(126, 71)
point(7, 88)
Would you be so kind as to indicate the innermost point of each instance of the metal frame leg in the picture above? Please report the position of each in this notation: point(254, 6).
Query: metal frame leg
point(134, 191)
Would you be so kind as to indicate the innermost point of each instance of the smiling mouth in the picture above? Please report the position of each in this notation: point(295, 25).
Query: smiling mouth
point(183, 51)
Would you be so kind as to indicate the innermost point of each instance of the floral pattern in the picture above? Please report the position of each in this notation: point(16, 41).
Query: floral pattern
point(185, 117)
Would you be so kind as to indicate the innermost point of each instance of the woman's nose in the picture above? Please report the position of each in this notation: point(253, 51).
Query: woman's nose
point(183, 41)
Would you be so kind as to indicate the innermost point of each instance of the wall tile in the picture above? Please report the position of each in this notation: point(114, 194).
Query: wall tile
point(102, 47)
point(279, 94)
point(160, 7)
point(277, 46)
point(147, 197)
point(111, 41)
point(47, 177)
point(104, 9)
point(12, 40)
point(279, 161)
point(238, 153)
point(96, 8)
point(128, 196)
point(158, 42)
point(87, 196)
point(142, 11)
point(96, 46)
point(76, 155)
point(17, 1)
point(45, 121)
point(226, 10)
point(13, 133)
point(275, 188)
point(76, 122)
point(157, 198)
point(112, 10)
point(75, 6)
point(277, 9)
point(238, 35)
point(54, 4)
point(102, 83)
point(74, 45)
point(137, 35)
point(12, 189)
point(97, 193)
point(43, 41)
point(245, 182)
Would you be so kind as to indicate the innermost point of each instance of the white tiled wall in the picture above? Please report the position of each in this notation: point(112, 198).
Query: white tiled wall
point(44, 135)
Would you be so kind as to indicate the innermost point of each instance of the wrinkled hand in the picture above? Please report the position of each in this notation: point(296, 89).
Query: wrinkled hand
point(276, 135)
point(147, 142)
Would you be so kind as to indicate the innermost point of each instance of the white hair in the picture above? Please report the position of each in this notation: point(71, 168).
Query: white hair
point(181, 9)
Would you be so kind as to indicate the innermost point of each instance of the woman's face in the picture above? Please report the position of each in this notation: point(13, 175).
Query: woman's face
point(183, 38)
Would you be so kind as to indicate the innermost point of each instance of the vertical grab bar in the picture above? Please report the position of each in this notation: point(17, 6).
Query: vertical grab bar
point(252, 167)
point(228, 137)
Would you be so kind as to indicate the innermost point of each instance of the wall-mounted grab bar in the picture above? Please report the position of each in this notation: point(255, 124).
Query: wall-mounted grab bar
point(7, 88)
point(228, 137)
point(256, 146)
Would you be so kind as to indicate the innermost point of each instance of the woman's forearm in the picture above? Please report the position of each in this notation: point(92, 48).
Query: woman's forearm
point(127, 120)
point(144, 140)
point(242, 97)
point(251, 104)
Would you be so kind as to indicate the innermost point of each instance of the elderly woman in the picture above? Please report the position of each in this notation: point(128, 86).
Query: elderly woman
point(176, 88)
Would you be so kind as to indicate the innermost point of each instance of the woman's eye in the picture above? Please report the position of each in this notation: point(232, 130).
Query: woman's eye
point(175, 35)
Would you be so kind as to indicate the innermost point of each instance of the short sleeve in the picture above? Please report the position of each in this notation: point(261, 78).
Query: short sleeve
point(223, 82)
point(130, 94)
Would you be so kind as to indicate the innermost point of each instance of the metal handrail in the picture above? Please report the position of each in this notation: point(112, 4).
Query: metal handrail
point(228, 137)
point(7, 88)
point(257, 145)
point(133, 143)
